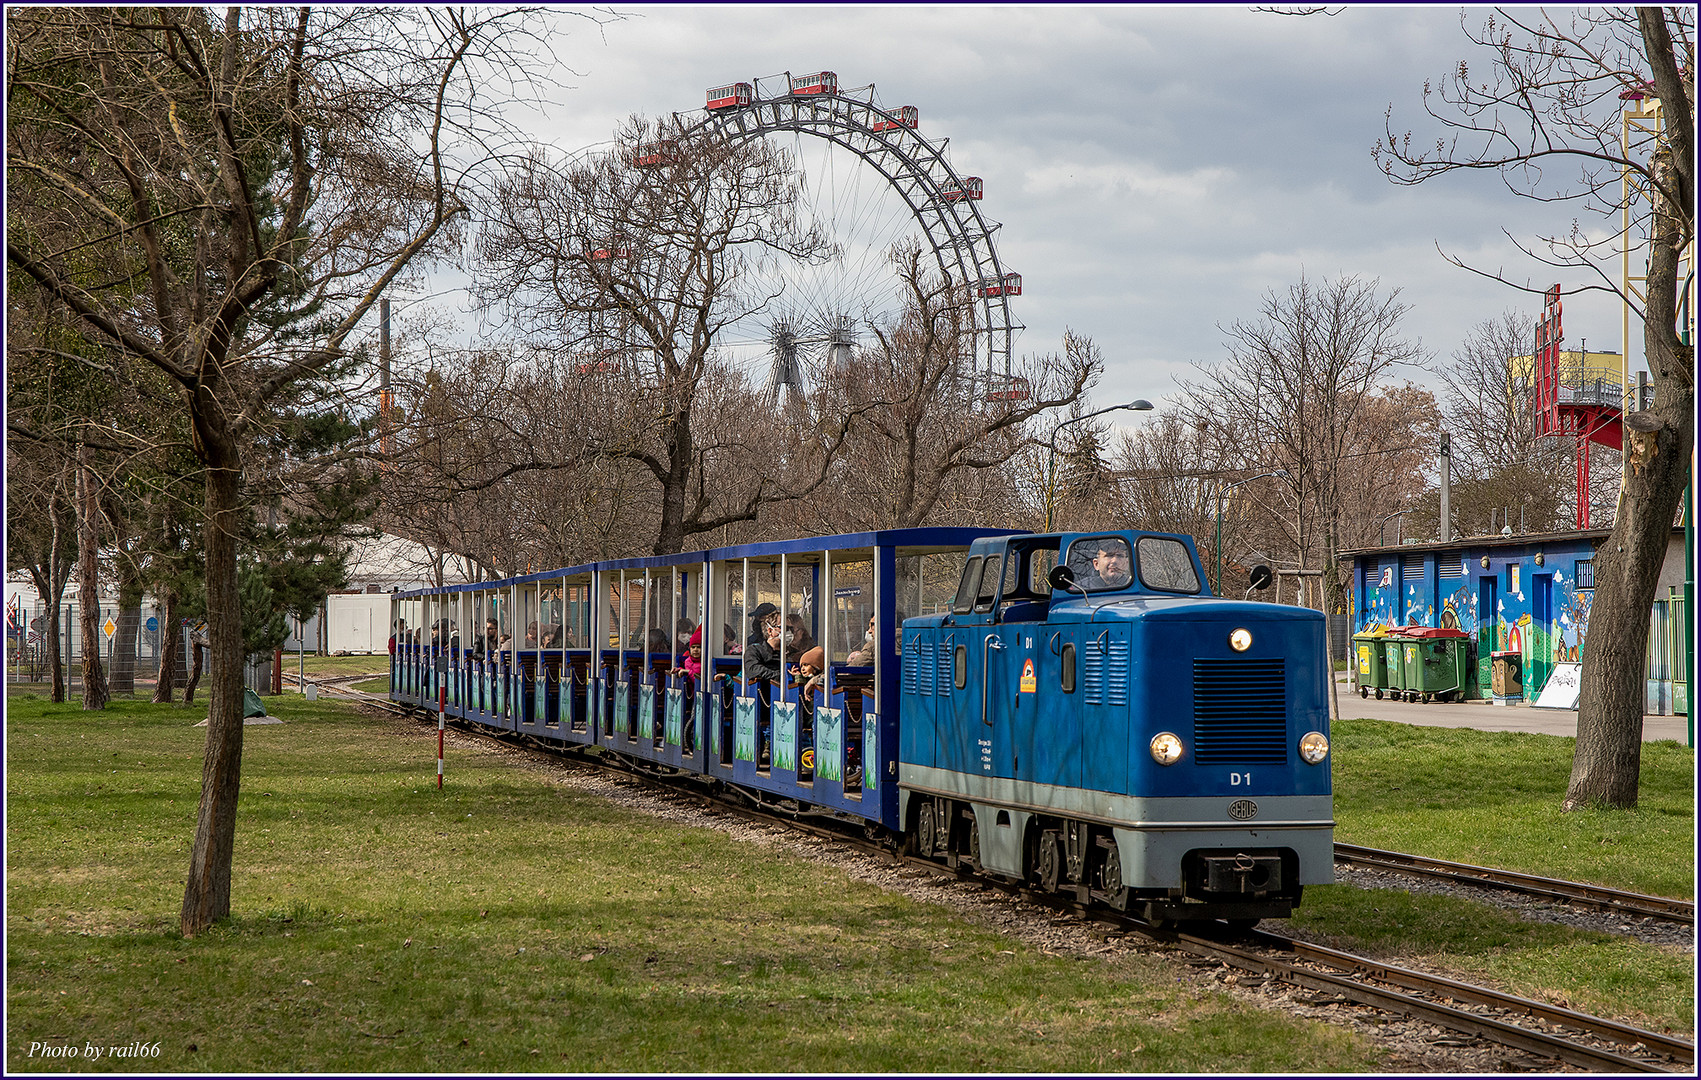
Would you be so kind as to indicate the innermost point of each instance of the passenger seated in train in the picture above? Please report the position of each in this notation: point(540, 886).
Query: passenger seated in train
point(553, 637)
point(863, 655)
point(758, 635)
point(691, 659)
point(1102, 563)
point(658, 641)
point(729, 642)
point(489, 641)
point(810, 669)
point(798, 638)
point(531, 636)
point(762, 658)
point(682, 633)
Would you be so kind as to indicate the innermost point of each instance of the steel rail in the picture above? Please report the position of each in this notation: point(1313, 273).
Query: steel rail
point(1597, 897)
point(1404, 991)
point(1406, 999)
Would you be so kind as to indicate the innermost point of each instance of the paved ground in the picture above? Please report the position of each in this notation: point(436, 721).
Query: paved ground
point(1485, 716)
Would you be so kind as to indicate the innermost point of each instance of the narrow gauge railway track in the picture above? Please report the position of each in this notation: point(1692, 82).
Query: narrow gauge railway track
point(1596, 897)
point(1535, 1027)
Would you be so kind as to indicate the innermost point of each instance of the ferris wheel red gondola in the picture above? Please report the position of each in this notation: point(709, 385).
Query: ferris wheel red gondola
point(885, 148)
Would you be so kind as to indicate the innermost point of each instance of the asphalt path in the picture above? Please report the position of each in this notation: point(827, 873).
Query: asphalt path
point(1487, 716)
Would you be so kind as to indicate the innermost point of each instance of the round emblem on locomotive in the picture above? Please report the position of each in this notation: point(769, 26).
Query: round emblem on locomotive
point(1243, 809)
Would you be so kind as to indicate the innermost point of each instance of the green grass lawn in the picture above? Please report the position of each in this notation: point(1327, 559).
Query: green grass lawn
point(336, 666)
point(511, 924)
point(1492, 798)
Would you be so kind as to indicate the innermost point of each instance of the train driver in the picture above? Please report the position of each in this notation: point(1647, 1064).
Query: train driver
point(1111, 564)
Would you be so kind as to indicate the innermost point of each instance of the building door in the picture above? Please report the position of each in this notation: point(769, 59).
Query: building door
point(1488, 631)
point(1542, 635)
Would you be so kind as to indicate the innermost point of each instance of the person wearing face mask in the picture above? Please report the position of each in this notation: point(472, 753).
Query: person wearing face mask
point(797, 637)
point(863, 655)
point(762, 659)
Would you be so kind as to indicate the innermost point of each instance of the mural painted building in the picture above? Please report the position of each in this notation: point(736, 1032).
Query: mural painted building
point(1528, 595)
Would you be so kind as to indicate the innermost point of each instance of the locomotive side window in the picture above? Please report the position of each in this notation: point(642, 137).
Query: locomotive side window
point(1040, 563)
point(968, 587)
point(1067, 671)
point(1165, 565)
point(961, 665)
point(988, 585)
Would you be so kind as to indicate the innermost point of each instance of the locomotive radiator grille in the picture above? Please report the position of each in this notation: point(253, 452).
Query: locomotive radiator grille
point(1240, 711)
point(1105, 674)
point(924, 666)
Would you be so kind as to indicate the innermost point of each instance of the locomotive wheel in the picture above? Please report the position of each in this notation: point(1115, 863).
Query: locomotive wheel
point(1379, 695)
point(1050, 861)
point(1241, 924)
point(1364, 692)
point(1110, 880)
point(926, 837)
point(974, 843)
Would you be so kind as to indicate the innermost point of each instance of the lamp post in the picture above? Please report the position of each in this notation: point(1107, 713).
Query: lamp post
point(1137, 405)
point(1382, 527)
point(1217, 586)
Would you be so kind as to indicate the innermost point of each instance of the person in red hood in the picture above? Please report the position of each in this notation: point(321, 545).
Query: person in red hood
point(692, 662)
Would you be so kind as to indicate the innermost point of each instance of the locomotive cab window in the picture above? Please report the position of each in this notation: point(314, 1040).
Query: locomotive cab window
point(988, 592)
point(1100, 563)
point(968, 587)
point(1165, 565)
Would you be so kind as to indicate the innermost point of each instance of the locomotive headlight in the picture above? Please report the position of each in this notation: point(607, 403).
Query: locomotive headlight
point(1313, 747)
point(1166, 748)
point(1240, 639)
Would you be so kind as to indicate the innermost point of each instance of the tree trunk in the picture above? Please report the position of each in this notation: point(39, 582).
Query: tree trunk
point(95, 694)
point(170, 642)
point(124, 648)
point(206, 896)
point(1606, 765)
point(277, 671)
point(196, 649)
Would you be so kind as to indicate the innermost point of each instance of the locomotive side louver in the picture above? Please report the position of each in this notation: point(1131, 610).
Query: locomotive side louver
point(924, 665)
point(947, 677)
point(1105, 674)
point(1240, 712)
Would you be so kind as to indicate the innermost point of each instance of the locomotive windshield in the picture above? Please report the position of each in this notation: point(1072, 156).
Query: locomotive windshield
point(1104, 564)
point(1100, 563)
point(1165, 565)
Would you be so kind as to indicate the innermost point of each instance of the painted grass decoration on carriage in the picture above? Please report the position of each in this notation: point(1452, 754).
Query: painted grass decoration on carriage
point(1072, 709)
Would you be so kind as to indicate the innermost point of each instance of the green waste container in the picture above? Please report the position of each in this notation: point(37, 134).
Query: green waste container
point(1372, 662)
point(1436, 663)
point(1393, 653)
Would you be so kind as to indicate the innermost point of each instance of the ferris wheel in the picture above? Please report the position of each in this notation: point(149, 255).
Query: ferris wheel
point(869, 180)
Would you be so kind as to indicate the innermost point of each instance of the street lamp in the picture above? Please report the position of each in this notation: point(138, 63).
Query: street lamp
point(1137, 405)
point(1382, 527)
point(1221, 491)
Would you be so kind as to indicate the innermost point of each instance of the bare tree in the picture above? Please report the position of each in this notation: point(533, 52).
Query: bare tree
point(633, 262)
point(250, 172)
point(1489, 406)
point(1293, 395)
point(1175, 475)
point(925, 425)
point(1545, 116)
point(41, 533)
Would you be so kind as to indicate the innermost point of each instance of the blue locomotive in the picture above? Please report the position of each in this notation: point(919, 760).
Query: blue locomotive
point(1072, 709)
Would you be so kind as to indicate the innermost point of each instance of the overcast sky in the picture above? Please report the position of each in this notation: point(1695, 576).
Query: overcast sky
point(1156, 169)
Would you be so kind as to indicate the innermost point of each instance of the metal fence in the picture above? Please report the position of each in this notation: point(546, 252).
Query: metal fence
point(29, 652)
